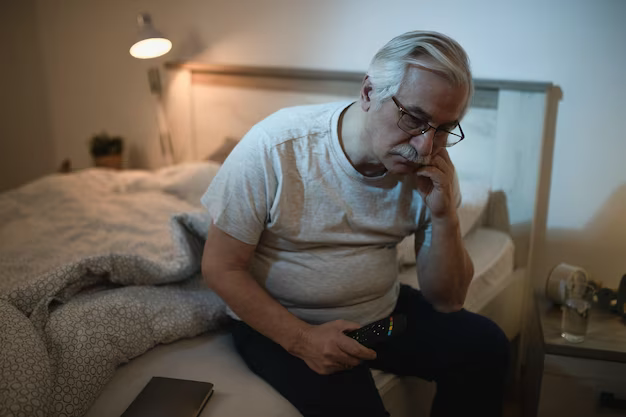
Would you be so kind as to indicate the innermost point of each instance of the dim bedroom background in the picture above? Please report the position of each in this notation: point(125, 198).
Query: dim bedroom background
point(101, 268)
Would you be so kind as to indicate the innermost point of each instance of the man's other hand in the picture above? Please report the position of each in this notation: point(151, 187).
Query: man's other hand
point(326, 349)
point(435, 185)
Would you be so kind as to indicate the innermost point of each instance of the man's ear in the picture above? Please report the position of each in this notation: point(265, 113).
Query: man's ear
point(366, 91)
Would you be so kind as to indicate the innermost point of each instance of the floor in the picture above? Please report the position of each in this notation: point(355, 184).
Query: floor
point(512, 409)
point(512, 401)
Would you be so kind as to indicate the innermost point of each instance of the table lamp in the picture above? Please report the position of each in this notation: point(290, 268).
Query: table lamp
point(151, 43)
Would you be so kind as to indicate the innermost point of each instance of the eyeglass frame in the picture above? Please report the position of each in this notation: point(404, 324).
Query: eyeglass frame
point(404, 111)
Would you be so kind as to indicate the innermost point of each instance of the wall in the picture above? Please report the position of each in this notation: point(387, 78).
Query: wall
point(577, 44)
point(26, 147)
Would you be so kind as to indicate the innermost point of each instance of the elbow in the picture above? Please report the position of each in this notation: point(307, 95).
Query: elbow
point(448, 296)
point(223, 257)
point(448, 301)
point(217, 273)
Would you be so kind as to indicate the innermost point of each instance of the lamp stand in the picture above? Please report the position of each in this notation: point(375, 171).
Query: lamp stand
point(165, 138)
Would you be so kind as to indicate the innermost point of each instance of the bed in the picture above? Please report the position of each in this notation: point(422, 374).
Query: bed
point(101, 268)
point(211, 357)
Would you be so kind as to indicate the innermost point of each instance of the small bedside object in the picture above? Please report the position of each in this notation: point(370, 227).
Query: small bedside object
point(65, 167)
point(170, 397)
point(576, 308)
point(607, 299)
point(107, 150)
point(558, 279)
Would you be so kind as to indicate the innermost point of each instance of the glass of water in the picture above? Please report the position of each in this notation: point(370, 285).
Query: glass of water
point(578, 298)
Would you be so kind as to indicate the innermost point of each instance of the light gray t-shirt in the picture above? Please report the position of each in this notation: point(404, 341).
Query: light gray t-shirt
point(325, 234)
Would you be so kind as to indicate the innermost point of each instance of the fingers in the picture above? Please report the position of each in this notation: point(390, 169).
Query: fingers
point(347, 361)
point(355, 349)
point(443, 162)
point(345, 325)
point(334, 359)
point(330, 350)
point(424, 186)
point(351, 346)
point(324, 369)
point(446, 157)
point(341, 361)
point(440, 171)
point(436, 175)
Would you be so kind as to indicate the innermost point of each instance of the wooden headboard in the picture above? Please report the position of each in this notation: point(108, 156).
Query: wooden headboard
point(509, 128)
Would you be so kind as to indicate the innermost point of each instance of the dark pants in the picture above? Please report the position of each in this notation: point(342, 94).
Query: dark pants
point(466, 354)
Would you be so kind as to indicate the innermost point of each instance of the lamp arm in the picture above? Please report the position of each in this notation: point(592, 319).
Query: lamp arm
point(165, 138)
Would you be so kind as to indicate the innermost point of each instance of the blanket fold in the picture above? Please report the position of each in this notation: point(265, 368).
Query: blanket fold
point(92, 274)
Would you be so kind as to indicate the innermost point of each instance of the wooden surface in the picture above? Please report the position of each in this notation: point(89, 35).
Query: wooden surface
point(605, 340)
point(320, 74)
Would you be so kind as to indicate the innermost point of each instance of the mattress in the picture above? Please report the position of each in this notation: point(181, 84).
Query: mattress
point(492, 253)
point(212, 356)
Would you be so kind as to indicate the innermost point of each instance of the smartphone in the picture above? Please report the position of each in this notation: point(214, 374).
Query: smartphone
point(169, 397)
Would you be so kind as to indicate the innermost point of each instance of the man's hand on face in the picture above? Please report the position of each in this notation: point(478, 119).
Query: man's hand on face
point(435, 185)
point(326, 349)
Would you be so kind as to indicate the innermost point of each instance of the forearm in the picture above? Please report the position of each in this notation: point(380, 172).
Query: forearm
point(257, 308)
point(445, 269)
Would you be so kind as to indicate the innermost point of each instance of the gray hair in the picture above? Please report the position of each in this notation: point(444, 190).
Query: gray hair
point(431, 50)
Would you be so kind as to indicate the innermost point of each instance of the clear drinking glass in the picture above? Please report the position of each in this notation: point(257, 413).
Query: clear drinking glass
point(578, 298)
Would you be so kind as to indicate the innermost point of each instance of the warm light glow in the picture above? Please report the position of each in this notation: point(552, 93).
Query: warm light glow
point(151, 48)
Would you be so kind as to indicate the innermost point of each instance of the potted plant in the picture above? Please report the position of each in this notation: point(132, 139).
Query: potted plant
point(107, 150)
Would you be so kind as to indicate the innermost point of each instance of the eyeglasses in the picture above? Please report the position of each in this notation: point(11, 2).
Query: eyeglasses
point(415, 126)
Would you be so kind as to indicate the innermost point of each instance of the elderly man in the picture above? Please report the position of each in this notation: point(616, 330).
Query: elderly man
point(306, 213)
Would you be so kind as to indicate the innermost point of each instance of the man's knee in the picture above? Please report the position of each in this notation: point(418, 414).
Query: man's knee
point(491, 348)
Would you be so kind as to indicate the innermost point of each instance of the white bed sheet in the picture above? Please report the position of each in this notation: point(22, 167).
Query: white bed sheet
point(493, 253)
point(212, 357)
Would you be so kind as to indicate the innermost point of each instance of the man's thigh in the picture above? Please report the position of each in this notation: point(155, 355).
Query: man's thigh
point(435, 343)
point(346, 393)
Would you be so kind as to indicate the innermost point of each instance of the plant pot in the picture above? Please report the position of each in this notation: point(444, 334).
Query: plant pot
point(109, 161)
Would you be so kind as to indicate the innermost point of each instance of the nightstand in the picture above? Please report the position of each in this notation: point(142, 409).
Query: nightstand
point(585, 379)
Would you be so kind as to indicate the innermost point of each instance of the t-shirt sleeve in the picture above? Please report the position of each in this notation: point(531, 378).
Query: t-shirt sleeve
point(241, 194)
point(423, 235)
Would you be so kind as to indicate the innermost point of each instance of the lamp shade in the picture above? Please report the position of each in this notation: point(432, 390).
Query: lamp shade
point(150, 42)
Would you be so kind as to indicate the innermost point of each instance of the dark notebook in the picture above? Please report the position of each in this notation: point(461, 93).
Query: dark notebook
point(168, 397)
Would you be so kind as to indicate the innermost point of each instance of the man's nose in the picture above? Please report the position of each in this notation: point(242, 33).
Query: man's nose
point(423, 143)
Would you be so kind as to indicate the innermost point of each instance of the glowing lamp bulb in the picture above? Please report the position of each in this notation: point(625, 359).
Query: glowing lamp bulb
point(150, 42)
point(151, 48)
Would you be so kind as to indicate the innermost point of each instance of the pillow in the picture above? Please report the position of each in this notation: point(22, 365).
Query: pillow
point(221, 153)
point(474, 199)
point(188, 181)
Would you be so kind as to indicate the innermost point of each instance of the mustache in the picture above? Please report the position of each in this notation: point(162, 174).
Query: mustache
point(408, 152)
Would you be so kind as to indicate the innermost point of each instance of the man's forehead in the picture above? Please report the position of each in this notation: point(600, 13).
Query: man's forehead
point(451, 117)
point(418, 111)
point(428, 94)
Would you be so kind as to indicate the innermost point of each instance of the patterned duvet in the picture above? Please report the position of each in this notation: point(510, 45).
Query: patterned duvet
point(96, 267)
